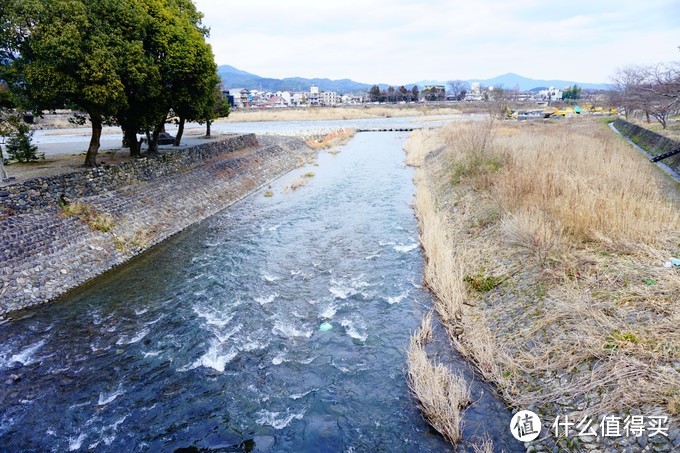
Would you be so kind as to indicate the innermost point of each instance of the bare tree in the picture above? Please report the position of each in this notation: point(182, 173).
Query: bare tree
point(652, 89)
point(627, 92)
point(662, 91)
point(458, 89)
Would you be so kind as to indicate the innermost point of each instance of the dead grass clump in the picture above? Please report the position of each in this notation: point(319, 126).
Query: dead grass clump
point(135, 241)
point(440, 393)
point(533, 233)
point(298, 182)
point(301, 181)
point(484, 445)
point(336, 138)
point(99, 221)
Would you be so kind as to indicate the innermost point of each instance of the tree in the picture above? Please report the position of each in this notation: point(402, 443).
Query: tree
point(458, 89)
point(627, 88)
point(69, 56)
point(219, 108)
point(663, 91)
point(498, 101)
point(572, 93)
point(186, 65)
point(403, 93)
point(391, 96)
point(653, 89)
point(121, 61)
point(374, 93)
point(415, 93)
point(20, 146)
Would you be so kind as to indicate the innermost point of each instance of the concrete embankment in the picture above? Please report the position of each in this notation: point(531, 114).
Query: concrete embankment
point(656, 145)
point(57, 233)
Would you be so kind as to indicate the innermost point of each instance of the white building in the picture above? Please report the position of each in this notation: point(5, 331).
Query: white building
point(551, 94)
point(329, 98)
point(313, 97)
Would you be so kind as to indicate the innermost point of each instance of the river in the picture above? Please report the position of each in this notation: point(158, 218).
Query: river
point(212, 340)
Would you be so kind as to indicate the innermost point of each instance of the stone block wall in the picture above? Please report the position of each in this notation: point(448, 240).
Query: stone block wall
point(45, 252)
point(41, 192)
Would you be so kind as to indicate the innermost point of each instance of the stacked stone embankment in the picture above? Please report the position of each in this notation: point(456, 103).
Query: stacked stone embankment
point(45, 251)
point(41, 192)
point(653, 143)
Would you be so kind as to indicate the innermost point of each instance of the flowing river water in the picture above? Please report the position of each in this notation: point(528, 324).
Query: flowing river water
point(212, 340)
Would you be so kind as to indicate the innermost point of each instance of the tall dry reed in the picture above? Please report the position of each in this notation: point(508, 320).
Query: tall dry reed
point(441, 394)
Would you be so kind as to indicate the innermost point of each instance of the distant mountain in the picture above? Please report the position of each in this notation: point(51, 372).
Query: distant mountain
point(236, 78)
point(510, 81)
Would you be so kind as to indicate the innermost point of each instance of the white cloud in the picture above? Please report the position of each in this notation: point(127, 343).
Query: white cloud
point(406, 41)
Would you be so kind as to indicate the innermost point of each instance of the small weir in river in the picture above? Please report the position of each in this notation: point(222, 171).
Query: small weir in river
point(212, 340)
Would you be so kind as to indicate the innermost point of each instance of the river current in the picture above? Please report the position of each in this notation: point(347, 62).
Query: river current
point(214, 339)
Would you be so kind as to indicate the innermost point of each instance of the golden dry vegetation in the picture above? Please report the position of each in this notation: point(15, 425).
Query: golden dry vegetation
point(547, 247)
point(339, 113)
point(441, 394)
point(330, 140)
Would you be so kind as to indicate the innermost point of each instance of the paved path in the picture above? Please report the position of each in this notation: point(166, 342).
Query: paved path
point(76, 140)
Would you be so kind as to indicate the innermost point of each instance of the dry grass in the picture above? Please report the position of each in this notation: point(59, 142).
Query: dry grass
point(440, 393)
point(301, 181)
point(335, 138)
point(577, 226)
point(443, 268)
point(485, 445)
point(338, 113)
point(100, 221)
point(137, 240)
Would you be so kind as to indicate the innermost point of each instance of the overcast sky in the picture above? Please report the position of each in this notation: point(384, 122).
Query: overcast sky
point(405, 41)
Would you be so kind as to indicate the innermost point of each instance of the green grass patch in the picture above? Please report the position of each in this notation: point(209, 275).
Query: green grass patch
point(482, 283)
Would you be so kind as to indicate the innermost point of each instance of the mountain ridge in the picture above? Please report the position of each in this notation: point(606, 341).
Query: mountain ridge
point(233, 77)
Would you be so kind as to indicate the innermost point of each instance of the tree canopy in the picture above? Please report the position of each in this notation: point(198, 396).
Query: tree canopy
point(125, 62)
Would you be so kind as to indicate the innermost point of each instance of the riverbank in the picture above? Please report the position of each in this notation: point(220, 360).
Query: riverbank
point(548, 246)
point(98, 221)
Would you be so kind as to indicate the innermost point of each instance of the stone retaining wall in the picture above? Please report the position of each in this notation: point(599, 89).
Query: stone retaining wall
point(655, 144)
point(41, 192)
point(44, 252)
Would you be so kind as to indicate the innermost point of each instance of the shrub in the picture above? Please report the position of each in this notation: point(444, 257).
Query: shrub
point(20, 146)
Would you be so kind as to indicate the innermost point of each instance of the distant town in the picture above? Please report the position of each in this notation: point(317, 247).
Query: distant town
point(243, 98)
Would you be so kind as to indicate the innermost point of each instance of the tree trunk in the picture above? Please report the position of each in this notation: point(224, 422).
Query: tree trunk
point(3, 173)
point(180, 131)
point(91, 156)
point(207, 128)
point(153, 142)
point(132, 143)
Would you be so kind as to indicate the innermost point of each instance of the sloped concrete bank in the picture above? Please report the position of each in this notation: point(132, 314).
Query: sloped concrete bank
point(654, 144)
point(47, 250)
